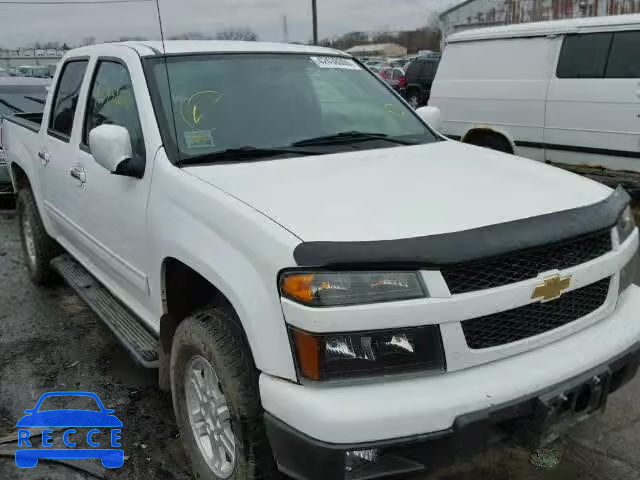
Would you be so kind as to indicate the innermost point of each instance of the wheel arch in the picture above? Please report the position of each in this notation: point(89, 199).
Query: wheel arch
point(19, 177)
point(476, 131)
point(186, 289)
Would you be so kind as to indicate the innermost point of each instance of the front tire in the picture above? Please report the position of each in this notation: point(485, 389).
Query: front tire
point(214, 384)
point(38, 247)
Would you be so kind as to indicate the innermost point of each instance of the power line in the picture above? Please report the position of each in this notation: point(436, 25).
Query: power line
point(69, 2)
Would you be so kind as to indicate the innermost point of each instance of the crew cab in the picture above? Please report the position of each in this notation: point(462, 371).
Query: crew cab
point(326, 284)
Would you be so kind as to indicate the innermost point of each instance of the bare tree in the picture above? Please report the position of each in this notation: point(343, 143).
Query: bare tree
point(351, 39)
point(237, 34)
point(130, 38)
point(191, 36)
point(88, 41)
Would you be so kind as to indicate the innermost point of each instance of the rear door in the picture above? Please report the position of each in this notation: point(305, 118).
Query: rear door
point(593, 103)
point(58, 150)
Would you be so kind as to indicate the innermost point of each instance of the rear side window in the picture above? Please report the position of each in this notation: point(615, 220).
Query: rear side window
point(66, 98)
point(624, 59)
point(584, 56)
point(429, 69)
point(112, 102)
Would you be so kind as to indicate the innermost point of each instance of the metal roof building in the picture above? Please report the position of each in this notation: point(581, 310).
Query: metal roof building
point(485, 13)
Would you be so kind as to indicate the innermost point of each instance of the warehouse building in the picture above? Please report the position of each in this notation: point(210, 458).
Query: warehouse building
point(485, 13)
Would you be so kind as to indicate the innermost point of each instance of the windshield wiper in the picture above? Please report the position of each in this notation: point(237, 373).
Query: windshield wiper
point(352, 136)
point(244, 153)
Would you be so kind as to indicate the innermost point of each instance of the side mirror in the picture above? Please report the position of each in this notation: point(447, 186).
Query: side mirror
point(432, 116)
point(111, 148)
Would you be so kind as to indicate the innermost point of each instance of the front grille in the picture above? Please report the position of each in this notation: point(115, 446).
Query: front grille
point(535, 318)
point(523, 265)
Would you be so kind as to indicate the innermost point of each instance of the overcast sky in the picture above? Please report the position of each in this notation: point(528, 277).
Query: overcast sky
point(24, 24)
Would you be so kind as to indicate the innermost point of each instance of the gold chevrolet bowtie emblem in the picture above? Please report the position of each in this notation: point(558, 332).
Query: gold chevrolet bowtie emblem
point(551, 288)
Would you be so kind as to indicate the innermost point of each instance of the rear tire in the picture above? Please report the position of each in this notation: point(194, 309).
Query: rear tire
point(38, 247)
point(492, 141)
point(213, 340)
point(414, 98)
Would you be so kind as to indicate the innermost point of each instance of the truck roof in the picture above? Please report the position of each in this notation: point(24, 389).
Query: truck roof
point(173, 47)
point(555, 27)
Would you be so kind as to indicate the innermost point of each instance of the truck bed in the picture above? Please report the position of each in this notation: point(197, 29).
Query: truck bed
point(32, 121)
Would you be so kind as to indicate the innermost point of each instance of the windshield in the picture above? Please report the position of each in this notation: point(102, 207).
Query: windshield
point(221, 102)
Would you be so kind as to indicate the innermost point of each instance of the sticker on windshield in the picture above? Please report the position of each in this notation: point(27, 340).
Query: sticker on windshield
point(335, 62)
point(199, 139)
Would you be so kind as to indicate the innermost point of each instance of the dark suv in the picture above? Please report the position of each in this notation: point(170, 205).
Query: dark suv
point(420, 75)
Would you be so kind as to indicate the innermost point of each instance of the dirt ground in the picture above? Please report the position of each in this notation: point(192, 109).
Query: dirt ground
point(50, 340)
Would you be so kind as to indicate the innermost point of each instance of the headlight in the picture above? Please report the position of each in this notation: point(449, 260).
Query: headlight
point(626, 224)
point(327, 289)
point(340, 355)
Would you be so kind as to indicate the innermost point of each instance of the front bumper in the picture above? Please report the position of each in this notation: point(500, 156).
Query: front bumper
point(517, 421)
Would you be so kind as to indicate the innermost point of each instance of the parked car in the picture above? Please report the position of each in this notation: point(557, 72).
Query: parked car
point(399, 62)
point(420, 74)
point(564, 92)
point(395, 77)
point(17, 95)
point(326, 284)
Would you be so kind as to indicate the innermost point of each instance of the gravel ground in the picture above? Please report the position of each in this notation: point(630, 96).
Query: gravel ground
point(50, 340)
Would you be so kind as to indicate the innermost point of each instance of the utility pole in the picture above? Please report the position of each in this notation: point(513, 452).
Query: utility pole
point(314, 13)
point(285, 29)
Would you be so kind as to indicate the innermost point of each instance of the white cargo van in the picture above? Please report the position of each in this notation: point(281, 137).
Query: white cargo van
point(565, 92)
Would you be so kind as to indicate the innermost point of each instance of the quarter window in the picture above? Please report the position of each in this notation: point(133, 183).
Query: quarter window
point(112, 102)
point(66, 98)
point(624, 59)
point(584, 56)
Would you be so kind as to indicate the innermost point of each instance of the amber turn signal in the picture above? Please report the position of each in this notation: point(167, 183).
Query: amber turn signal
point(308, 353)
point(298, 287)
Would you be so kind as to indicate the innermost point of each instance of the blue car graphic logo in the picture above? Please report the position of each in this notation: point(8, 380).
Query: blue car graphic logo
point(27, 455)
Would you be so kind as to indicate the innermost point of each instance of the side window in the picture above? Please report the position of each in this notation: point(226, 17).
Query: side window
point(624, 59)
point(66, 98)
point(414, 69)
point(112, 102)
point(584, 56)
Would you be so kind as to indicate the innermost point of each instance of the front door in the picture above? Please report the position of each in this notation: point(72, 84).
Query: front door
point(592, 119)
point(112, 208)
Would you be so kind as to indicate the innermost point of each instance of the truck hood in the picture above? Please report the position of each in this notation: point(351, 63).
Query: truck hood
point(400, 192)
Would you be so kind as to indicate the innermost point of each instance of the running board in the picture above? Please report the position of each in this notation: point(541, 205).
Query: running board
point(127, 328)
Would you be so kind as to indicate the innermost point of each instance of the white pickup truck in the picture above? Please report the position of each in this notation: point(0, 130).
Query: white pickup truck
point(327, 285)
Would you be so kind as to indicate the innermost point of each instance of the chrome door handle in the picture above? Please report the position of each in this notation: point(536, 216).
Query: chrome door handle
point(45, 157)
point(78, 173)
